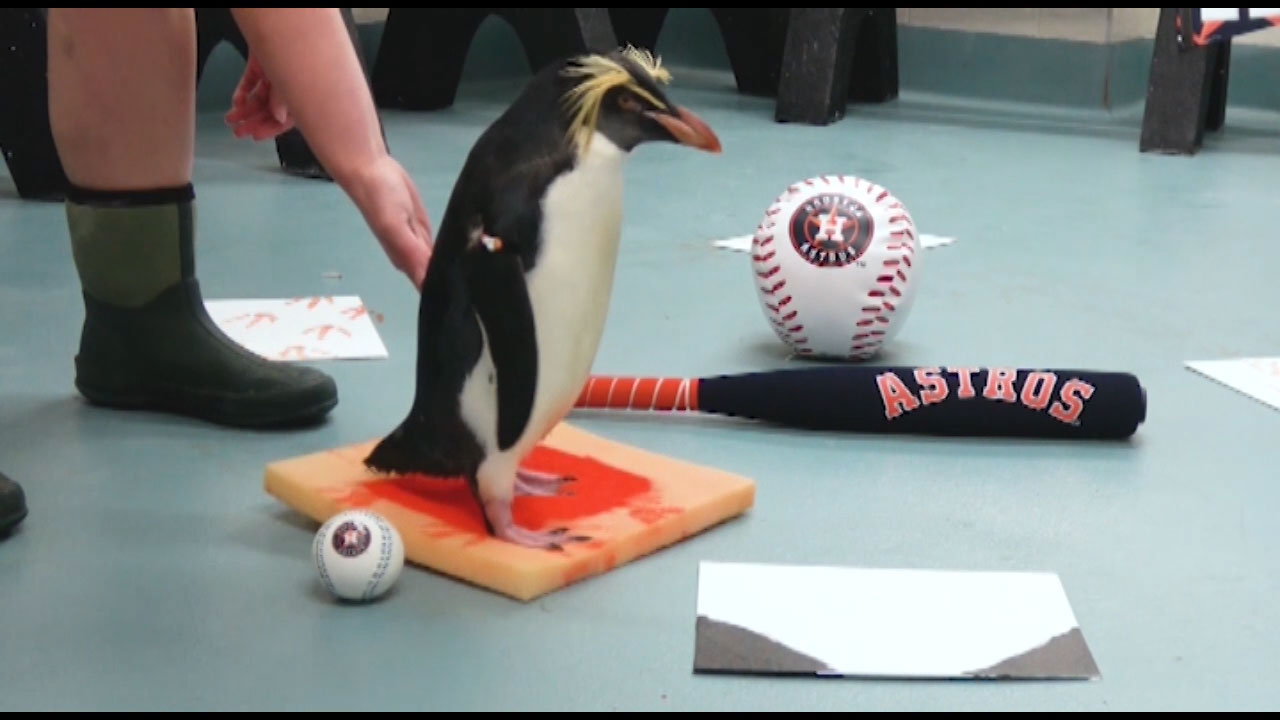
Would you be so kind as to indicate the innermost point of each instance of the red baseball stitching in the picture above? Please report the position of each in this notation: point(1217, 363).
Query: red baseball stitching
point(781, 317)
point(883, 301)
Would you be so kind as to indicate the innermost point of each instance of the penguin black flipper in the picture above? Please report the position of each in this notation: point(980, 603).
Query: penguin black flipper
point(495, 280)
point(505, 237)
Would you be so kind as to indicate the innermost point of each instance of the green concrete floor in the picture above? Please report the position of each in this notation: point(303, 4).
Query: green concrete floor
point(155, 573)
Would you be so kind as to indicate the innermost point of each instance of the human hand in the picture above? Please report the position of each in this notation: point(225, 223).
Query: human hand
point(256, 111)
point(389, 201)
point(357, 161)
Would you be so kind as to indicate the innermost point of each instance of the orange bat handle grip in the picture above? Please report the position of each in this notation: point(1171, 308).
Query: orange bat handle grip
point(621, 392)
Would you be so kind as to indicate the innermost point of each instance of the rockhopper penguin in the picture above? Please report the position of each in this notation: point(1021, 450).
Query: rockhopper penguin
point(516, 293)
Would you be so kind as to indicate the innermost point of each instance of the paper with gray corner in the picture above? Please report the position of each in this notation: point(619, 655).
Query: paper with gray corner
point(1255, 377)
point(766, 619)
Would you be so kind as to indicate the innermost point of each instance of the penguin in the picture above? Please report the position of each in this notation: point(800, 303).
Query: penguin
point(514, 300)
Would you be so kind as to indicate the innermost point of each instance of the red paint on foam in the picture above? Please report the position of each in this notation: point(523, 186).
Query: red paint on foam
point(652, 514)
point(599, 488)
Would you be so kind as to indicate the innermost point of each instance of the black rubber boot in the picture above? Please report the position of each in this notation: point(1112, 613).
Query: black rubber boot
point(13, 505)
point(148, 342)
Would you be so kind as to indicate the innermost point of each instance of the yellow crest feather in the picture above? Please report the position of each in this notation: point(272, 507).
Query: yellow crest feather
point(649, 62)
point(602, 74)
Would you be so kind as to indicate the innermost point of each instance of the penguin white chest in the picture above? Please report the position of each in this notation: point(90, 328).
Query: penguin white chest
point(571, 284)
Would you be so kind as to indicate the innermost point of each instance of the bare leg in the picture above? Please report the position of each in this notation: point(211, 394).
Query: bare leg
point(122, 109)
point(122, 95)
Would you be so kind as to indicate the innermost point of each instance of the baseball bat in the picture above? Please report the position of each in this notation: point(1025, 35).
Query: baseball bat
point(950, 401)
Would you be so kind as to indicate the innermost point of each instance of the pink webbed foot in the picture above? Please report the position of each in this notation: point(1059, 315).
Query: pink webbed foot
point(540, 484)
point(498, 514)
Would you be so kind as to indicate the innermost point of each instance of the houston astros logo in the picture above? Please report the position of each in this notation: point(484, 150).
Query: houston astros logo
point(350, 539)
point(831, 230)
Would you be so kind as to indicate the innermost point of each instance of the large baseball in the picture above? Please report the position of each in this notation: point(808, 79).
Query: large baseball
point(835, 262)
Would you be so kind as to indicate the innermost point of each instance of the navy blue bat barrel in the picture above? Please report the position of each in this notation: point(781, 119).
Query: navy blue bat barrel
point(951, 401)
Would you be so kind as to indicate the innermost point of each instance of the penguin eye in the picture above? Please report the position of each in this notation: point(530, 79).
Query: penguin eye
point(628, 102)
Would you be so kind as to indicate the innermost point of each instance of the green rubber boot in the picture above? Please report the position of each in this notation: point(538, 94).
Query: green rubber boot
point(13, 505)
point(148, 342)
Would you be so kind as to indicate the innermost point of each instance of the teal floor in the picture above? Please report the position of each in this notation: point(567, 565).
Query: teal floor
point(155, 573)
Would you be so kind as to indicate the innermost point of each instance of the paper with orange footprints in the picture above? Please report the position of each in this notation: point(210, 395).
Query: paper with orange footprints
point(327, 327)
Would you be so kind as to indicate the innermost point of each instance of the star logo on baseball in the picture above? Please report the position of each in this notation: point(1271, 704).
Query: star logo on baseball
point(350, 539)
point(831, 230)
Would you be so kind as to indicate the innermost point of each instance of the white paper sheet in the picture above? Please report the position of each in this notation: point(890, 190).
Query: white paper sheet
point(1257, 377)
point(328, 327)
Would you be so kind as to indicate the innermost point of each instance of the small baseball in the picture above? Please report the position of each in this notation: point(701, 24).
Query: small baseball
point(358, 554)
point(835, 263)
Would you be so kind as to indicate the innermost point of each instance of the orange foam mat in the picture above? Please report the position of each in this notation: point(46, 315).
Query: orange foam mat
point(631, 502)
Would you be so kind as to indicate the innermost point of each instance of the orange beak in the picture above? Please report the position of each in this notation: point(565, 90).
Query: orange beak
point(689, 129)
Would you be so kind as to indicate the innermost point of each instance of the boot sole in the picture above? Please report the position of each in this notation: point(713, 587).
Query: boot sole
point(7, 524)
point(179, 403)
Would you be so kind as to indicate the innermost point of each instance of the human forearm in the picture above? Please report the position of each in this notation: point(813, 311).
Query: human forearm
point(312, 65)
